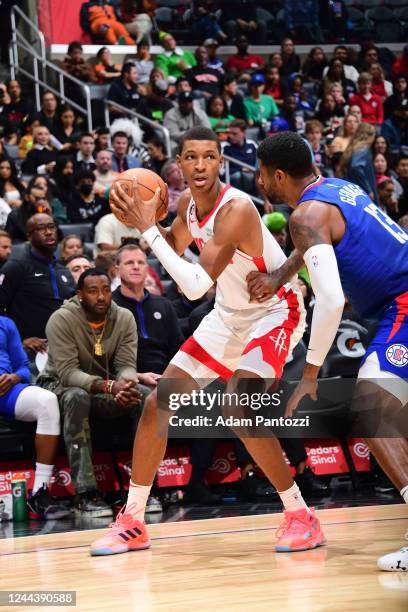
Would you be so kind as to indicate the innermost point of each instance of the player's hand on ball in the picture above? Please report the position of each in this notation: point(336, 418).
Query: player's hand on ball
point(307, 386)
point(262, 286)
point(135, 211)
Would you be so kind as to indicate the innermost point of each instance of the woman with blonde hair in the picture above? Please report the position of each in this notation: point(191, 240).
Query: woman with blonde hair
point(356, 163)
point(345, 134)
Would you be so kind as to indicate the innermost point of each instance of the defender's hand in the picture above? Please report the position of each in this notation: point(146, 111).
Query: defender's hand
point(262, 286)
point(135, 211)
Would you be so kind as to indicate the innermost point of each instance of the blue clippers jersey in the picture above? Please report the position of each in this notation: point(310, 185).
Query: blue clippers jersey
point(372, 256)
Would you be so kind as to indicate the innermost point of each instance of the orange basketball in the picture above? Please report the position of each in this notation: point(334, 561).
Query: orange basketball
point(148, 182)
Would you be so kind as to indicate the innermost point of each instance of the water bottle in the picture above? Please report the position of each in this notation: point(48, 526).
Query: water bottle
point(19, 495)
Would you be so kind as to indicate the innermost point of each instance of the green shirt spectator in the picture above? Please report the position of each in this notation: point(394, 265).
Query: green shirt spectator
point(259, 107)
point(174, 61)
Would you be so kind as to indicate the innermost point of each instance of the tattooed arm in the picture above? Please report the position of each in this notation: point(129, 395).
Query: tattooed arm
point(312, 230)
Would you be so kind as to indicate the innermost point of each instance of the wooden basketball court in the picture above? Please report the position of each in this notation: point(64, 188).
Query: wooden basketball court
point(222, 564)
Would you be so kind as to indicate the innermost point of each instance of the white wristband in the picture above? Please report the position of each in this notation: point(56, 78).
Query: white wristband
point(324, 276)
point(192, 279)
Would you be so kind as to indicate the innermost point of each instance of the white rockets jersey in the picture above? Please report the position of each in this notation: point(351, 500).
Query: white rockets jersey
point(232, 294)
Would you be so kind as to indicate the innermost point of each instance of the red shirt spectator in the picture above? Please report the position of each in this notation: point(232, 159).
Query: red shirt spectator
point(244, 61)
point(370, 104)
point(400, 65)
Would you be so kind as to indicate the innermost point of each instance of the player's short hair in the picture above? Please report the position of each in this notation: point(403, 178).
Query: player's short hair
point(288, 152)
point(199, 133)
point(90, 272)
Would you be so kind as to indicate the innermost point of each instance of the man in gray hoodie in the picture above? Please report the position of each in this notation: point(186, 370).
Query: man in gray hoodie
point(92, 348)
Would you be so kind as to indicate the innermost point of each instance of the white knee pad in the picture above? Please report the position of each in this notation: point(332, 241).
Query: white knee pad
point(37, 404)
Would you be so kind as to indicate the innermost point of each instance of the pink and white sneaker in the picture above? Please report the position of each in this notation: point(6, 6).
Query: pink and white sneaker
point(300, 530)
point(124, 535)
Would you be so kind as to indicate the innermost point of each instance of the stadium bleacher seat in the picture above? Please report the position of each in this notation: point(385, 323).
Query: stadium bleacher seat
point(402, 15)
point(85, 230)
point(385, 25)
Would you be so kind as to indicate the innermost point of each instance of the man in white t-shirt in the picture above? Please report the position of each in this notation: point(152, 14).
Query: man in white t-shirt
point(103, 173)
point(109, 233)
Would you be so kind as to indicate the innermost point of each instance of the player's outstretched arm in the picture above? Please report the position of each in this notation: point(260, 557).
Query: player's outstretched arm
point(195, 279)
point(310, 228)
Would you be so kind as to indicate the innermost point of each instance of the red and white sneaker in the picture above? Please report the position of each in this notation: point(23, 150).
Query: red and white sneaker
point(299, 531)
point(124, 535)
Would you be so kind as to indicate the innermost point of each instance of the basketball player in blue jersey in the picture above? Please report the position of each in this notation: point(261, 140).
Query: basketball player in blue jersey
point(348, 244)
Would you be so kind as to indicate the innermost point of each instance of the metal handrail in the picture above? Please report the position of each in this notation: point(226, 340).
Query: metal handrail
point(142, 118)
point(15, 9)
point(228, 160)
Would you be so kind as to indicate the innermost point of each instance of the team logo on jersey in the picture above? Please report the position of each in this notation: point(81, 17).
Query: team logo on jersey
point(397, 354)
point(279, 341)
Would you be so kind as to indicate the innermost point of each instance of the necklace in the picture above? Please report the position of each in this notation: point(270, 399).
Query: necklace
point(98, 350)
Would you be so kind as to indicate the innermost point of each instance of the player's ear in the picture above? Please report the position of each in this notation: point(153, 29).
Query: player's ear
point(178, 160)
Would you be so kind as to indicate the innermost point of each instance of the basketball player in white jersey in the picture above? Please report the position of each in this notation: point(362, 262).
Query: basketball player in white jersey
point(239, 340)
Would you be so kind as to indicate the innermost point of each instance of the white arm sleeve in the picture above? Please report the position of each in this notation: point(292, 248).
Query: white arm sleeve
point(192, 279)
point(324, 275)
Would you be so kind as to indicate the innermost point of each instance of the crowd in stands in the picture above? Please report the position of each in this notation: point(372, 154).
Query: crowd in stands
point(124, 318)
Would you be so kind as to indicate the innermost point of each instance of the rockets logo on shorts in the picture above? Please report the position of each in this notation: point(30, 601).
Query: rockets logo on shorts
point(397, 354)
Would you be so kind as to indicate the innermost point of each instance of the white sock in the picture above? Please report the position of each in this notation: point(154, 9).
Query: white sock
point(137, 499)
point(43, 473)
point(292, 499)
point(404, 493)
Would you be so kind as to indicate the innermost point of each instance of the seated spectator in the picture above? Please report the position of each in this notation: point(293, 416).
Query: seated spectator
point(290, 59)
point(28, 123)
point(71, 245)
point(293, 117)
point(204, 19)
point(356, 164)
point(329, 114)
point(143, 61)
point(350, 72)
point(380, 86)
point(371, 105)
point(176, 184)
point(105, 71)
point(104, 24)
point(336, 90)
point(400, 66)
point(77, 264)
point(216, 111)
point(243, 64)
point(276, 60)
point(66, 132)
point(211, 44)
point(75, 63)
point(173, 61)
point(402, 177)
point(137, 16)
point(238, 147)
point(11, 188)
point(84, 159)
point(345, 134)
point(381, 145)
point(125, 90)
point(295, 87)
point(110, 233)
point(41, 159)
point(156, 104)
point(22, 401)
point(397, 98)
point(240, 18)
point(233, 100)
point(34, 201)
point(273, 84)
point(302, 20)
point(159, 335)
point(355, 110)
point(63, 178)
point(387, 199)
point(5, 247)
point(106, 261)
point(18, 107)
point(314, 65)
point(157, 155)
point(104, 176)
point(336, 74)
point(153, 284)
point(5, 210)
point(260, 108)
point(314, 135)
point(85, 206)
point(35, 284)
point(203, 79)
point(102, 139)
point(91, 368)
point(395, 128)
point(48, 115)
point(58, 211)
point(184, 117)
point(121, 161)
